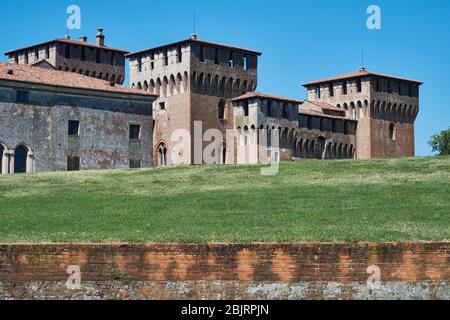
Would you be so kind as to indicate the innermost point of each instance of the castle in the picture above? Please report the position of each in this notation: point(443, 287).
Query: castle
point(63, 107)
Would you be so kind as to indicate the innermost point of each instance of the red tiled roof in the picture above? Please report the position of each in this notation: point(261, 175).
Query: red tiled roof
point(254, 94)
point(214, 44)
point(37, 75)
point(324, 105)
point(70, 41)
point(360, 73)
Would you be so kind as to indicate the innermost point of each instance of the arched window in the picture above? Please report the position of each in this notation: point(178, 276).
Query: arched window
point(162, 156)
point(392, 132)
point(221, 110)
point(20, 159)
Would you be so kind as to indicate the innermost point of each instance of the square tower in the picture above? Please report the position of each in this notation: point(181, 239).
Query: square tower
point(195, 81)
point(385, 107)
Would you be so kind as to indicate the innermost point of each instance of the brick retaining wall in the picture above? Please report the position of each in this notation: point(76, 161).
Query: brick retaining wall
point(220, 271)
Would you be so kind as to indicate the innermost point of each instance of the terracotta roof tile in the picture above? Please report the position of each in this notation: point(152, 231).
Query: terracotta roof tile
point(255, 94)
point(359, 73)
point(37, 75)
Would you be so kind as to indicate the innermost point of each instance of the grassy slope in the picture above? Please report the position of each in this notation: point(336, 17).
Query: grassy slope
point(376, 200)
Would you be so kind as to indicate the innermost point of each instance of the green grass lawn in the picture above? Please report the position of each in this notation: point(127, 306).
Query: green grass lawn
point(375, 200)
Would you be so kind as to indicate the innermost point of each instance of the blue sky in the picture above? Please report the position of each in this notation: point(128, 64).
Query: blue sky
point(300, 40)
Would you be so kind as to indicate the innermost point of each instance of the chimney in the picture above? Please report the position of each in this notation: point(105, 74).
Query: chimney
point(194, 36)
point(67, 37)
point(100, 37)
point(83, 39)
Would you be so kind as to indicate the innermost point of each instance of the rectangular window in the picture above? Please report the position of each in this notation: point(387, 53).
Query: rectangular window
point(140, 64)
point(344, 87)
point(358, 85)
point(22, 97)
point(285, 111)
point(67, 53)
point(318, 92)
point(202, 54)
point(83, 54)
point(135, 131)
point(216, 56)
point(245, 62)
point(179, 55)
point(166, 58)
point(162, 106)
point(377, 84)
point(246, 110)
point(73, 163)
point(36, 54)
point(16, 58)
point(26, 57)
point(47, 52)
point(231, 60)
point(135, 164)
point(74, 128)
point(331, 89)
point(98, 55)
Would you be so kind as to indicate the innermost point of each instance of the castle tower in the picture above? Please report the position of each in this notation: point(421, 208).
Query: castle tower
point(385, 107)
point(195, 81)
point(77, 56)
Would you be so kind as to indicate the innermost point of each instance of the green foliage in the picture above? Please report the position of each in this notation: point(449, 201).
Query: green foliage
point(374, 200)
point(440, 143)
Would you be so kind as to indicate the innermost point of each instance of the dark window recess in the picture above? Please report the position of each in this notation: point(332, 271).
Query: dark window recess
point(22, 97)
point(98, 56)
point(140, 64)
point(309, 122)
point(162, 105)
point(67, 55)
point(246, 111)
point(377, 84)
point(179, 54)
point(83, 54)
point(135, 164)
point(285, 112)
point(134, 132)
point(269, 108)
point(47, 52)
point(344, 87)
point(221, 110)
point(231, 60)
point(166, 58)
point(245, 62)
point(358, 85)
point(202, 54)
point(318, 92)
point(331, 89)
point(216, 56)
point(26, 57)
point(74, 127)
point(73, 163)
point(389, 87)
point(36, 53)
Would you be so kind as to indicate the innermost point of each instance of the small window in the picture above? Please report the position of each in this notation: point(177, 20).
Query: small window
point(231, 60)
point(285, 111)
point(331, 89)
point(26, 57)
point(73, 163)
point(140, 64)
point(358, 85)
point(135, 164)
point(216, 56)
point(166, 58)
point(135, 131)
point(317, 92)
point(344, 87)
point(392, 132)
point(245, 62)
point(98, 57)
point(221, 110)
point(202, 54)
point(47, 52)
point(74, 127)
point(246, 110)
point(179, 55)
point(377, 84)
point(162, 106)
point(36, 54)
point(83, 53)
point(68, 55)
point(16, 58)
point(22, 97)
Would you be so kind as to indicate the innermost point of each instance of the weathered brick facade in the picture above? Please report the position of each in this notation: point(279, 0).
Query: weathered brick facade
point(227, 271)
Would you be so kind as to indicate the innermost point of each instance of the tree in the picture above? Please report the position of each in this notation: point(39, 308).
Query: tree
point(441, 142)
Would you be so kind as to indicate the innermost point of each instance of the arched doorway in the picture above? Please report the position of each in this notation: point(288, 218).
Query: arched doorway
point(162, 156)
point(20, 159)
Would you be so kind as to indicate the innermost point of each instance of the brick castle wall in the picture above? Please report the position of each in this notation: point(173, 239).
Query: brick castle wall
point(219, 271)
